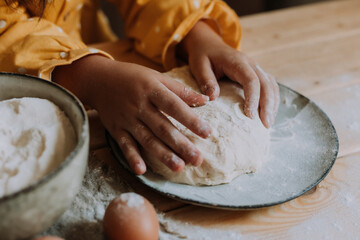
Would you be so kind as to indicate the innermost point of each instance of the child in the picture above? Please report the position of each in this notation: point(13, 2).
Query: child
point(48, 38)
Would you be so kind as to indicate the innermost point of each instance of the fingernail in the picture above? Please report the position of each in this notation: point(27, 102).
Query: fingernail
point(249, 112)
point(205, 129)
point(273, 117)
point(209, 91)
point(201, 102)
point(176, 164)
point(195, 158)
point(141, 168)
point(204, 88)
point(253, 113)
point(206, 98)
point(267, 122)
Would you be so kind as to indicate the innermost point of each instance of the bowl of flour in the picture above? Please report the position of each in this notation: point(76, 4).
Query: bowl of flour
point(44, 146)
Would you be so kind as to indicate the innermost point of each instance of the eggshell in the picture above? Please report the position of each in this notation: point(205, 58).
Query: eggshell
point(48, 238)
point(130, 217)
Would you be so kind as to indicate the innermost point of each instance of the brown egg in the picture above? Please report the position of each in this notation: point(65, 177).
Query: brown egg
point(131, 217)
point(48, 238)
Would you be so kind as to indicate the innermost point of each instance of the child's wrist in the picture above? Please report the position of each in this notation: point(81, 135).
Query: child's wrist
point(80, 77)
point(199, 34)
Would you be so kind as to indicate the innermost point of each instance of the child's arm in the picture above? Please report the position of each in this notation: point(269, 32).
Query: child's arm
point(129, 99)
point(158, 27)
point(33, 45)
point(210, 58)
point(119, 90)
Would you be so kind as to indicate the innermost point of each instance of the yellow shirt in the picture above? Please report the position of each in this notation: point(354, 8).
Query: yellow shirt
point(32, 46)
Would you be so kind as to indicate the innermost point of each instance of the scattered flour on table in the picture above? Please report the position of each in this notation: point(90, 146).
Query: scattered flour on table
point(172, 229)
point(335, 212)
point(329, 223)
point(35, 137)
point(83, 220)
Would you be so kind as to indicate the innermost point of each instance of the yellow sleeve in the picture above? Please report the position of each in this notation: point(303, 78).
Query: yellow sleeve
point(157, 26)
point(32, 46)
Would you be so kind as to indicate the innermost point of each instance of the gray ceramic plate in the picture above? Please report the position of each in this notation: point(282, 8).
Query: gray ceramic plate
point(304, 147)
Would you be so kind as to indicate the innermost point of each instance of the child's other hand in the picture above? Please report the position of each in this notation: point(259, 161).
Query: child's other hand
point(130, 100)
point(210, 59)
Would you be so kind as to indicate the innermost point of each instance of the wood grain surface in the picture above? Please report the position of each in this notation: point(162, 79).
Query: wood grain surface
point(330, 210)
point(314, 49)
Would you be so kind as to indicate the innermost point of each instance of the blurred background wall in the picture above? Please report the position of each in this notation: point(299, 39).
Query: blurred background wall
point(242, 7)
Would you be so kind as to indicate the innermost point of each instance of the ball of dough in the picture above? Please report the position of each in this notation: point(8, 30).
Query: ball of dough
point(237, 145)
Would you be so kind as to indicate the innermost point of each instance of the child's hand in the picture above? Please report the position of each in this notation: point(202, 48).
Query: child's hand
point(130, 100)
point(210, 59)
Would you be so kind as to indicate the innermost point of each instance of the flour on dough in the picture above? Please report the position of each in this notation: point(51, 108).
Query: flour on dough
point(238, 144)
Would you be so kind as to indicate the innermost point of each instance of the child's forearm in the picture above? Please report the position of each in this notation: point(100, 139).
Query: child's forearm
point(201, 32)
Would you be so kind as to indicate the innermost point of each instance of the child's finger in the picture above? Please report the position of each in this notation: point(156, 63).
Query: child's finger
point(246, 76)
point(267, 98)
point(202, 70)
point(169, 103)
point(170, 135)
point(277, 94)
point(188, 95)
point(131, 152)
point(155, 147)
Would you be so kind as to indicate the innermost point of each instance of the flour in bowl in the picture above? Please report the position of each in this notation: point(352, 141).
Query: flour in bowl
point(35, 137)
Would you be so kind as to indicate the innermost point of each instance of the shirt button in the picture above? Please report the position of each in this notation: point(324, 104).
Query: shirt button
point(2, 23)
point(63, 54)
point(93, 50)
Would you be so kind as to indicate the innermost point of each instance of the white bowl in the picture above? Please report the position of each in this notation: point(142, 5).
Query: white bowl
point(36, 207)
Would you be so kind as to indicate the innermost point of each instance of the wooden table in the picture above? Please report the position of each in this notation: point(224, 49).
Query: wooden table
point(314, 49)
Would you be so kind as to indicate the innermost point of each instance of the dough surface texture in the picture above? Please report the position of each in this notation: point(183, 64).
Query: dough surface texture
point(35, 137)
point(237, 145)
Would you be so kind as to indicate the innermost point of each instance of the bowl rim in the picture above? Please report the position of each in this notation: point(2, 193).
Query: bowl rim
point(80, 143)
